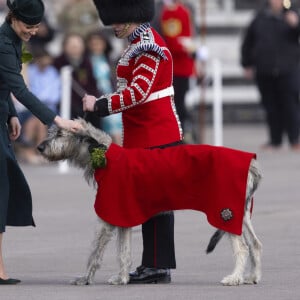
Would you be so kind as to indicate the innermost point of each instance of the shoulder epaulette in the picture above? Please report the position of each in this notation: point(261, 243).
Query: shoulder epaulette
point(147, 44)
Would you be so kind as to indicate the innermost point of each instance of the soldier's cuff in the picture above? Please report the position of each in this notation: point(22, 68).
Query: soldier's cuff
point(101, 107)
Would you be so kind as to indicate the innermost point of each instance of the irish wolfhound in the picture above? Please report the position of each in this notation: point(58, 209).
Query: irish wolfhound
point(76, 148)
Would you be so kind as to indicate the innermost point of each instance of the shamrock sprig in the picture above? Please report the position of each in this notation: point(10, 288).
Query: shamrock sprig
point(26, 55)
point(98, 158)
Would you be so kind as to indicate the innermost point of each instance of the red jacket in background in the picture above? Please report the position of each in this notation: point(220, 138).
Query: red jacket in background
point(176, 23)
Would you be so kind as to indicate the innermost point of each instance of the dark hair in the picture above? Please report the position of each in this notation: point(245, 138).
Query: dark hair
point(100, 34)
point(39, 52)
point(68, 36)
point(10, 15)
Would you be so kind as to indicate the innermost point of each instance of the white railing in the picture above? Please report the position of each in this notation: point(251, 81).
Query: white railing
point(217, 102)
point(213, 96)
point(65, 105)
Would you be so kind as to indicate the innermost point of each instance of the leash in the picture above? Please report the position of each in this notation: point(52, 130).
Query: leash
point(85, 115)
point(80, 91)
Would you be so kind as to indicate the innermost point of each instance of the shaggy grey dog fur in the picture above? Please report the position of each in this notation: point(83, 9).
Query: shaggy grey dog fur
point(74, 147)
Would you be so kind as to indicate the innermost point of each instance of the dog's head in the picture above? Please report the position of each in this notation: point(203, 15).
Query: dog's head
point(59, 144)
point(62, 144)
point(78, 148)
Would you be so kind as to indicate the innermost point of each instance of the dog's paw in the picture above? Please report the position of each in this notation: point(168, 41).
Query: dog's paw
point(232, 280)
point(81, 281)
point(252, 279)
point(118, 280)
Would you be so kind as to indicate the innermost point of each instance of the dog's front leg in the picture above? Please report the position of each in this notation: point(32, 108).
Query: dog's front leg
point(124, 255)
point(102, 237)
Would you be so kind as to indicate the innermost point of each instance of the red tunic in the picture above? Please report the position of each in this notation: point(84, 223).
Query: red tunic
point(139, 183)
point(145, 67)
point(176, 24)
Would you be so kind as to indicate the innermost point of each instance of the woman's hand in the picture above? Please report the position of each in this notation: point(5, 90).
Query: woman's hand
point(88, 102)
point(292, 18)
point(249, 73)
point(71, 125)
point(14, 128)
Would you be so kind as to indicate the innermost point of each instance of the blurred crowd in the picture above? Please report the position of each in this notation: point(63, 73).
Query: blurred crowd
point(71, 34)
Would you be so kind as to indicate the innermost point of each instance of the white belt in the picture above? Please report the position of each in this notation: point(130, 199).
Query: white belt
point(169, 91)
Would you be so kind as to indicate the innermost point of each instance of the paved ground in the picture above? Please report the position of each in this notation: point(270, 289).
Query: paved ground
point(47, 257)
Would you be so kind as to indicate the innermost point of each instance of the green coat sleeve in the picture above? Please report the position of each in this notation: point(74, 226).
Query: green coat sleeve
point(12, 109)
point(10, 72)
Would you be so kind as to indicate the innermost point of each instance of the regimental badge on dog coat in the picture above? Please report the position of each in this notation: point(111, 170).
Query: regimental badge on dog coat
point(139, 183)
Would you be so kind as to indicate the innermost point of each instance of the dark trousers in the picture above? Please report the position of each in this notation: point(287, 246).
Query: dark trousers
point(181, 86)
point(158, 242)
point(158, 237)
point(280, 99)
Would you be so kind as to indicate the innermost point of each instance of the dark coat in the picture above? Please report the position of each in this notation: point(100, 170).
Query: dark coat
point(271, 45)
point(15, 196)
point(83, 81)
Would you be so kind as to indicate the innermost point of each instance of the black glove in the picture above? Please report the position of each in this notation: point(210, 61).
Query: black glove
point(101, 107)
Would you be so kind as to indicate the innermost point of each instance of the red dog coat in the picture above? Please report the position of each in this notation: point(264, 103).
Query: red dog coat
point(139, 183)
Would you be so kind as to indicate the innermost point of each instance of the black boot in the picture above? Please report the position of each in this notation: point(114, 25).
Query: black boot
point(149, 275)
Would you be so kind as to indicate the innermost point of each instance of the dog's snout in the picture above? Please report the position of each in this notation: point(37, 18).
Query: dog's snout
point(41, 147)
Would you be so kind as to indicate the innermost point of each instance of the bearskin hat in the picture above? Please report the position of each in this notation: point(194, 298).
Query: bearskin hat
point(125, 11)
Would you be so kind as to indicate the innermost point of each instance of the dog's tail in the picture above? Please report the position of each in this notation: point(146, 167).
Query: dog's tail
point(214, 240)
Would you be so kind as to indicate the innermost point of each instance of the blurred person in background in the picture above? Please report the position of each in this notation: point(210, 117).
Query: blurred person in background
point(144, 95)
point(270, 54)
point(43, 79)
point(21, 23)
point(44, 82)
point(78, 16)
point(83, 80)
point(178, 31)
point(99, 49)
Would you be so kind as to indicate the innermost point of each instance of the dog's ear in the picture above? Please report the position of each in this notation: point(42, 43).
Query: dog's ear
point(94, 144)
point(82, 121)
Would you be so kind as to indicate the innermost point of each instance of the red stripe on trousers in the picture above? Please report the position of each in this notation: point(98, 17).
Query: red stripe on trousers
point(155, 245)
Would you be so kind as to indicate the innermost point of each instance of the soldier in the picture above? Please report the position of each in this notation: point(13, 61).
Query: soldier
point(145, 98)
point(22, 22)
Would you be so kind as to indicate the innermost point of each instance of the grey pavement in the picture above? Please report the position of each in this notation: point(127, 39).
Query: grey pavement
point(47, 257)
